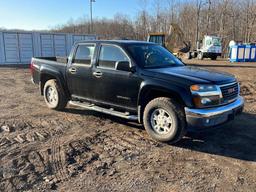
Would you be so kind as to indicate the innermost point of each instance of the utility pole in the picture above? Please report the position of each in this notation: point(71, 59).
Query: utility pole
point(91, 24)
point(199, 6)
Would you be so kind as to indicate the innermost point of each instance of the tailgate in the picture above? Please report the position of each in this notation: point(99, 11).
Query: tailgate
point(35, 71)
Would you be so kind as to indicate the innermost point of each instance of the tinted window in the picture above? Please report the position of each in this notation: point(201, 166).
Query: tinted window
point(153, 56)
point(109, 55)
point(216, 42)
point(84, 54)
point(159, 39)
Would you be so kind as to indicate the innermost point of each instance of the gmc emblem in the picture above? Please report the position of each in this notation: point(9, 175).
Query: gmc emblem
point(231, 90)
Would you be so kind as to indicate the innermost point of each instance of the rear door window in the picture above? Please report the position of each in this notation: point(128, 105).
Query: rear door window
point(84, 54)
point(109, 55)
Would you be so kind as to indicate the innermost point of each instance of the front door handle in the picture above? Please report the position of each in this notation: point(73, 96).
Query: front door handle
point(97, 74)
point(72, 70)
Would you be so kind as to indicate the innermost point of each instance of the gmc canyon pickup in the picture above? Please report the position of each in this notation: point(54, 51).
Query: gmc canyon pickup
point(139, 81)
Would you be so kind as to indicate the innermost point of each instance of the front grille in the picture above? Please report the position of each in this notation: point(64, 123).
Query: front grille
point(230, 91)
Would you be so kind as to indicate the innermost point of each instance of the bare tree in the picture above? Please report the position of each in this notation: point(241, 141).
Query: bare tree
point(199, 6)
point(229, 19)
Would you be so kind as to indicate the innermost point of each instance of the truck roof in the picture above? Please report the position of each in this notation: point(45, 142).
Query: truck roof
point(119, 42)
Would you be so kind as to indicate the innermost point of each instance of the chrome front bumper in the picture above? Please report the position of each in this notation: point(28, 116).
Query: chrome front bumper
point(203, 118)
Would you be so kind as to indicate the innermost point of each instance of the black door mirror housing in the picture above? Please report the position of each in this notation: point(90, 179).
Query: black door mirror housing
point(123, 66)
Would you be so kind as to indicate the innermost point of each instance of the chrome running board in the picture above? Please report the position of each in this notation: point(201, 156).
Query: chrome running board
point(110, 111)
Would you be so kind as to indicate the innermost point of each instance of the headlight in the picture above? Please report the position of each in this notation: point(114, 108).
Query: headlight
point(203, 88)
point(206, 95)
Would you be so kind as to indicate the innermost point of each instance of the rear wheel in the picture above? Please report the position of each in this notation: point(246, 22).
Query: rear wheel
point(54, 96)
point(164, 120)
point(193, 54)
point(213, 57)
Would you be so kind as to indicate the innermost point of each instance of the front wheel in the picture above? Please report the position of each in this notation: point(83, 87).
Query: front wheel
point(54, 96)
point(164, 120)
point(200, 56)
point(188, 55)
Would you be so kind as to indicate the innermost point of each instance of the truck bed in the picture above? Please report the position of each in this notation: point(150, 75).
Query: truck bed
point(56, 64)
point(56, 59)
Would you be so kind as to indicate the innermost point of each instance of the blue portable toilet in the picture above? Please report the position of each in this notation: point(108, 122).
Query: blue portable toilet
point(247, 53)
point(237, 53)
point(243, 53)
point(233, 53)
point(253, 53)
point(240, 53)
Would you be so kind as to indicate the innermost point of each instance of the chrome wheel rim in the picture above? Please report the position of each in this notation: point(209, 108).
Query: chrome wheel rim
point(161, 121)
point(51, 95)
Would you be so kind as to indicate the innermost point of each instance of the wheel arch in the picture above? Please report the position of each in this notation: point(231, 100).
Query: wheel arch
point(150, 92)
point(46, 75)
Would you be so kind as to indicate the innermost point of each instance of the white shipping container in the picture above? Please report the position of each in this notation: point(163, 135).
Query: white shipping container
point(25, 47)
point(18, 47)
point(47, 49)
point(60, 45)
point(1, 47)
point(11, 48)
point(77, 38)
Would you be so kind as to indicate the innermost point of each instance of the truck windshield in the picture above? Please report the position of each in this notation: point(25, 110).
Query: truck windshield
point(158, 39)
point(216, 42)
point(153, 56)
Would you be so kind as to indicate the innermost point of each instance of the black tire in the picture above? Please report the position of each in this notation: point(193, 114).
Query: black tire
point(60, 100)
point(188, 55)
point(174, 110)
point(194, 54)
point(214, 57)
point(200, 56)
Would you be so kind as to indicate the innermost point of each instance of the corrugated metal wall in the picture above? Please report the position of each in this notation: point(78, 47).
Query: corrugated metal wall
point(18, 47)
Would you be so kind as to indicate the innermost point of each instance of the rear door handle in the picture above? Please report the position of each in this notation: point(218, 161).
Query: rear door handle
point(97, 74)
point(72, 70)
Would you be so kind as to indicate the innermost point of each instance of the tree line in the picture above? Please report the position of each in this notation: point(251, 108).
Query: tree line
point(228, 19)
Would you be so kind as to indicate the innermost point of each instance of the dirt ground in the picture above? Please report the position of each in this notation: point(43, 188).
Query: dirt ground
point(78, 150)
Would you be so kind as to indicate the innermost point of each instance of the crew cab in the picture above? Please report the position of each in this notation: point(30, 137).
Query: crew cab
point(139, 81)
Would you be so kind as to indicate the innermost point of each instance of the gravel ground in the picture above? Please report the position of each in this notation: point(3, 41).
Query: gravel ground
point(79, 150)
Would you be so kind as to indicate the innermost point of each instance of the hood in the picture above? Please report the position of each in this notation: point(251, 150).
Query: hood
point(195, 74)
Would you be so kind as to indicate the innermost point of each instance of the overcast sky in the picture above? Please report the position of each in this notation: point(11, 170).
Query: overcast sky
point(45, 14)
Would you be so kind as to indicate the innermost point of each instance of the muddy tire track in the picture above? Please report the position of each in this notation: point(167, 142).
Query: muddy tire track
point(79, 150)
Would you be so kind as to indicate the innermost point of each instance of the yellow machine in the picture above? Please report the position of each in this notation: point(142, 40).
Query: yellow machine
point(158, 38)
point(171, 40)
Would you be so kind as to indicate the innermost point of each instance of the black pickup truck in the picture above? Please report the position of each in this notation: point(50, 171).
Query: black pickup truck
point(139, 81)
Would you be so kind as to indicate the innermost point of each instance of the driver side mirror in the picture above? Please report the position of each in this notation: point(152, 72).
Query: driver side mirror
point(124, 66)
